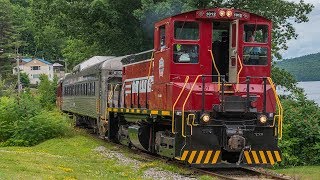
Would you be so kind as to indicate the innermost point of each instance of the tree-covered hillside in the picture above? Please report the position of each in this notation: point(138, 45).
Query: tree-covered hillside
point(304, 68)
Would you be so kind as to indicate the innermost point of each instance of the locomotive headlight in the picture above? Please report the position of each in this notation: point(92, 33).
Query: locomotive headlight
point(205, 118)
point(229, 13)
point(222, 13)
point(263, 119)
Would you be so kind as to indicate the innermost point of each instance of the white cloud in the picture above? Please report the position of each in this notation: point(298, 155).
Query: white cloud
point(308, 40)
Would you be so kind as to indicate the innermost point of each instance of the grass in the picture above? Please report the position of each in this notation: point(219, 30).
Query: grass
point(68, 158)
point(72, 158)
point(302, 172)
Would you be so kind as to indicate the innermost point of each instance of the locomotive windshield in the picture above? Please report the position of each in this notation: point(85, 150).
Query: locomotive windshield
point(186, 53)
point(186, 30)
point(255, 33)
point(255, 55)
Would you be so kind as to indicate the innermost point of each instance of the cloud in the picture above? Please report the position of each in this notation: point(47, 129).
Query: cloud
point(308, 40)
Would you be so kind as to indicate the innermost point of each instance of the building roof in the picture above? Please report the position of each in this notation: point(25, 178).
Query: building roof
point(57, 65)
point(26, 60)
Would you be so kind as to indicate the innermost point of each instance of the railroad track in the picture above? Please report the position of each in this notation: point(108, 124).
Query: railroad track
point(233, 173)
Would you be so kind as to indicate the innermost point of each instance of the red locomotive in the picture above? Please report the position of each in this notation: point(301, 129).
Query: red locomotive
point(204, 97)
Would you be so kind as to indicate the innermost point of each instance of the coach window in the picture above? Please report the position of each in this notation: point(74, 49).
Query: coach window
point(255, 55)
point(86, 90)
point(254, 33)
point(186, 53)
point(184, 30)
point(89, 89)
point(94, 88)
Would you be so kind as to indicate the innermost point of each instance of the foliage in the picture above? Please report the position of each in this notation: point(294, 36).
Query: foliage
point(24, 79)
point(304, 68)
point(47, 91)
point(24, 123)
point(301, 135)
point(84, 51)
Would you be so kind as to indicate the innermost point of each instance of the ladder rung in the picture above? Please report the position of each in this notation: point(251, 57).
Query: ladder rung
point(227, 92)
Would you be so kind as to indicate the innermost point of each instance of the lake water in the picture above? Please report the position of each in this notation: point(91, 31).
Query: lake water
point(312, 89)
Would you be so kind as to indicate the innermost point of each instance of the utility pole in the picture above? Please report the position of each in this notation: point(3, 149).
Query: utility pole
point(1, 51)
point(18, 69)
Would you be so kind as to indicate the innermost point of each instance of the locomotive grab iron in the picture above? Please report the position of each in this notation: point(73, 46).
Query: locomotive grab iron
point(203, 95)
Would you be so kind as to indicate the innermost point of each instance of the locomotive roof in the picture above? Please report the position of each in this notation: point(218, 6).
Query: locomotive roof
point(211, 9)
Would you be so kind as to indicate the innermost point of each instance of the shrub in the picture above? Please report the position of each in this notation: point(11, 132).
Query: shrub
point(301, 135)
point(46, 125)
point(24, 123)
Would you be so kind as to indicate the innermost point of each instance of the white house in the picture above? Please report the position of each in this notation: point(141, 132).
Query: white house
point(33, 67)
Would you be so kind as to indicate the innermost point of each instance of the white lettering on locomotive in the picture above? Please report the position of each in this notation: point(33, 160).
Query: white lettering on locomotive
point(141, 85)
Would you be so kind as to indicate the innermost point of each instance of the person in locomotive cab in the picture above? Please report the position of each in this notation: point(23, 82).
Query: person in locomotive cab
point(186, 53)
point(253, 52)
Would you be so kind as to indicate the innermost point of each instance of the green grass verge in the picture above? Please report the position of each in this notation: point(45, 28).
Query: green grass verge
point(302, 172)
point(65, 158)
point(73, 158)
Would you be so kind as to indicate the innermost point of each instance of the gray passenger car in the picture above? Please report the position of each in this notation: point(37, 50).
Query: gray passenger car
point(86, 93)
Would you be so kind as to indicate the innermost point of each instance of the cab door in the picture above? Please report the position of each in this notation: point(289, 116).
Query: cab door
point(233, 51)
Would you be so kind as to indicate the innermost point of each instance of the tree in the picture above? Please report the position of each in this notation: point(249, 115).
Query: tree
point(24, 79)
point(47, 91)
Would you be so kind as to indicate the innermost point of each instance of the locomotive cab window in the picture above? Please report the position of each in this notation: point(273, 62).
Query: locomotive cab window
point(186, 30)
point(254, 33)
point(186, 53)
point(162, 37)
point(255, 55)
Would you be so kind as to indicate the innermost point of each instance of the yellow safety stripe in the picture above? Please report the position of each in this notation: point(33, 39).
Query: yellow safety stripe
point(216, 156)
point(264, 161)
point(140, 111)
point(192, 156)
point(278, 158)
point(246, 154)
point(255, 157)
point(184, 155)
point(270, 157)
point(265, 157)
point(206, 161)
point(200, 157)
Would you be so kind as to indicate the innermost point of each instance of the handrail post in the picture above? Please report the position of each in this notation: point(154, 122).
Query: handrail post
point(222, 93)
point(203, 93)
point(131, 105)
point(248, 93)
point(147, 93)
point(216, 68)
point(119, 96)
point(138, 94)
point(264, 94)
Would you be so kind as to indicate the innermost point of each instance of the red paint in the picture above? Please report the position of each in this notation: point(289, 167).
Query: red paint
point(169, 76)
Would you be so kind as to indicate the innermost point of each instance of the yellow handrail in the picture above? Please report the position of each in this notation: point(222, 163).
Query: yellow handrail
point(175, 103)
point(279, 116)
point(188, 121)
point(215, 67)
point(184, 104)
point(241, 66)
point(150, 65)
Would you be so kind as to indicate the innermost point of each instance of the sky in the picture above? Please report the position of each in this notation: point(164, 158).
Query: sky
point(308, 41)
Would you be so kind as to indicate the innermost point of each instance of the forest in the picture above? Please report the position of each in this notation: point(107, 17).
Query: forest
point(304, 68)
point(74, 30)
